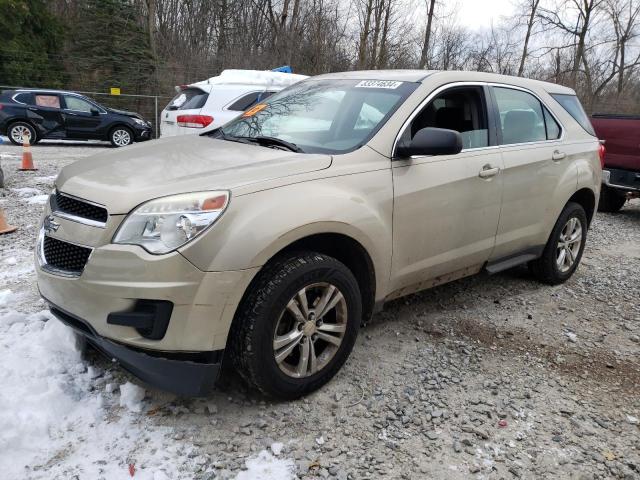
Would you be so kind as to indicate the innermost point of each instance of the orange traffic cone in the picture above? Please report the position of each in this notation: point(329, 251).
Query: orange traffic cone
point(4, 226)
point(27, 159)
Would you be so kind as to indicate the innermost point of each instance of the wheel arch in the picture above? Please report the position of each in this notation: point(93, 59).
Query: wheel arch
point(342, 247)
point(117, 124)
point(587, 199)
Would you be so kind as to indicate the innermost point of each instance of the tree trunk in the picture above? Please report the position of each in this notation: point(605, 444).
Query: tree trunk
point(427, 36)
point(532, 16)
point(364, 35)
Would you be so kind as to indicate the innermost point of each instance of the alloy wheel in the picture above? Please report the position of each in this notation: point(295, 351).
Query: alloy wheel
point(310, 330)
point(19, 132)
point(121, 137)
point(569, 244)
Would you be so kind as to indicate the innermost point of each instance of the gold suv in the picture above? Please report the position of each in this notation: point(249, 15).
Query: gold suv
point(265, 243)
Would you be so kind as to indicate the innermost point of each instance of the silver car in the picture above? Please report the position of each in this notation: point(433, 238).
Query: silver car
point(264, 244)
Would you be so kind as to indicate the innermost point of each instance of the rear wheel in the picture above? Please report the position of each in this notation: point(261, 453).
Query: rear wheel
point(611, 200)
point(563, 251)
point(19, 130)
point(297, 325)
point(121, 137)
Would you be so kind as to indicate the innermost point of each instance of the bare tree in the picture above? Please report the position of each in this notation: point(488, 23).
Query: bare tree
point(530, 7)
point(424, 55)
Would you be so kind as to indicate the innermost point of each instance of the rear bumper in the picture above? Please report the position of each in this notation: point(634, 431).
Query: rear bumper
point(183, 373)
point(626, 180)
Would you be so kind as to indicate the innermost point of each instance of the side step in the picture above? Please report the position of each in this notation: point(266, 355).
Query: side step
point(514, 260)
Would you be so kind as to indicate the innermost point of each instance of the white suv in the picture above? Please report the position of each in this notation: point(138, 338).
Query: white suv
point(204, 106)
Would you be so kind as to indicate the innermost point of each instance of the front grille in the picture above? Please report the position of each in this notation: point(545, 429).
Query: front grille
point(78, 208)
point(65, 256)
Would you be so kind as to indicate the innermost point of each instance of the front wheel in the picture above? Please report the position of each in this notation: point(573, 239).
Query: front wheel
point(564, 248)
point(297, 325)
point(121, 137)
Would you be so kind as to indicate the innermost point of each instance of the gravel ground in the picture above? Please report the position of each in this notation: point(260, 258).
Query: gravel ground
point(486, 377)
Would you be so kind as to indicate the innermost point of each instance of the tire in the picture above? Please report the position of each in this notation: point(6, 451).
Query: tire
point(121, 136)
point(15, 130)
point(264, 314)
point(611, 200)
point(549, 268)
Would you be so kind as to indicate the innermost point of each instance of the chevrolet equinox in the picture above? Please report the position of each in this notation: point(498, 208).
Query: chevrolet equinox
point(265, 243)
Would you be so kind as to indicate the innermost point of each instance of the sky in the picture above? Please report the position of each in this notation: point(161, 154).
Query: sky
point(479, 13)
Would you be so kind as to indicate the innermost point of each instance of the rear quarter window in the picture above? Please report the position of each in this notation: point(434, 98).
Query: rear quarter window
point(573, 106)
point(188, 99)
point(25, 98)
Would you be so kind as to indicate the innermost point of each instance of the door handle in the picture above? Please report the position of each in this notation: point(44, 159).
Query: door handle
point(71, 114)
point(558, 155)
point(488, 171)
point(33, 109)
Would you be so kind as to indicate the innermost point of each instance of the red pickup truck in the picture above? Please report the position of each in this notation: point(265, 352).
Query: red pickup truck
point(621, 172)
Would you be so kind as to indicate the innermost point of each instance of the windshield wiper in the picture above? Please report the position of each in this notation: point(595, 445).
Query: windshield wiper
point(219, 133)
point(263, 140)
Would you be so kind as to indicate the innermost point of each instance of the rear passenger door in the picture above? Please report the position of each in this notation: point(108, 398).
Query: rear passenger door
point(535, 167)
point(45, 113)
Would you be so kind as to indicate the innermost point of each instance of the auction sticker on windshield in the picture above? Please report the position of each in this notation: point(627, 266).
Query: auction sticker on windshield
point(378, 84)
point(252, 111)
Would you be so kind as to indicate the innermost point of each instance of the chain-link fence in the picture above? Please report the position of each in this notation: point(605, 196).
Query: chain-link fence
point(149, 106)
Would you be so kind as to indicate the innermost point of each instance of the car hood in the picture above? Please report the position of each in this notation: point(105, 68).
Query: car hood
point(125, 113)
point(124, 178)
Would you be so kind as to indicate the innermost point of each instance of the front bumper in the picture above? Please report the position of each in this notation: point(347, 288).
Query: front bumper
point(143, 134)
point(192, 374)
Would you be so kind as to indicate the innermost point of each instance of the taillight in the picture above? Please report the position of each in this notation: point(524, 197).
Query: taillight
point(194, 121)
point(602, 152)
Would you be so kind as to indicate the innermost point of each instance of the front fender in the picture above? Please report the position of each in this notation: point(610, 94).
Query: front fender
point(259, 225)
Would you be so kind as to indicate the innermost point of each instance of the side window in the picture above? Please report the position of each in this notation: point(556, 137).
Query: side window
point(77, 104)
point(572, 105)
point(553, 129)
point(462, 109)
point(521, 117)
point(51, 101)
point(246, 101)
point(24, 98)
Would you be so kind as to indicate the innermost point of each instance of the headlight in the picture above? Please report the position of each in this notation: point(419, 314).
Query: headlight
point(165, 224)
point(140, 122)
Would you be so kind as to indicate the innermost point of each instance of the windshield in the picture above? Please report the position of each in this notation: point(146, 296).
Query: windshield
point(323, 116)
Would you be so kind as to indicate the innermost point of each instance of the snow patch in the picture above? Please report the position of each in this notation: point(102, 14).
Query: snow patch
point(276, 448)
point(265, 78)
point(38, 199)
point(6, 296)
point(55, 422)
point(131, 396)
point(26, 191)
point(267, 467)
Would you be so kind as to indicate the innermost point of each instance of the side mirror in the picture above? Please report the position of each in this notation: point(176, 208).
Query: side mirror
point(431, 141)
point(95, 111)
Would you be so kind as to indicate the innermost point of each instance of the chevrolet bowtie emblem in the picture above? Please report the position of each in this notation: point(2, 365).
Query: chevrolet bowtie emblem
point(50, 225)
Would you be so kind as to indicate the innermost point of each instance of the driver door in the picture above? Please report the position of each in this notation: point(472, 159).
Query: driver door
point(81, 119)
point(447, 208)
